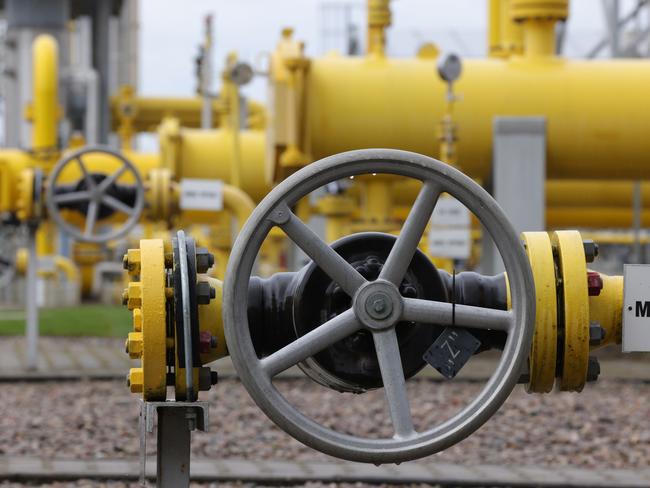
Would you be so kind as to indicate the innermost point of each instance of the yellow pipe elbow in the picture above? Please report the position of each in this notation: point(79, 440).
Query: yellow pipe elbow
point(67, 267)
point(237, 203)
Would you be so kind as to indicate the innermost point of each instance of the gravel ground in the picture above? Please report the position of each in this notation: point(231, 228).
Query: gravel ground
point(605, 426)
point(118, 484)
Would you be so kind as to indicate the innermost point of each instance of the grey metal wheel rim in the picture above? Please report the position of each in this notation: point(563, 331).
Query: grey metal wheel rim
point(273, 210)
point(88, 235)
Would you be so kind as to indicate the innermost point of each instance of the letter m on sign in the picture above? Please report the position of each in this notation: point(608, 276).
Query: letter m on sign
point(642, 308)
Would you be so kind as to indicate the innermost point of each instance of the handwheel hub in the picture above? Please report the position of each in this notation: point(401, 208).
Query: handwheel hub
point(378, 305)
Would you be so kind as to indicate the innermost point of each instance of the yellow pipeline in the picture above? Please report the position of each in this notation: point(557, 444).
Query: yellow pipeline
point(193, 153)
point(145, 113)
point(44, 109)
point(62, 264)
point(597, 112)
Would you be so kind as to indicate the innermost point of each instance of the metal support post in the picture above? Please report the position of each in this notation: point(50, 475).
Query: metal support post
point(206, 77)
point(176, 421)
point(518, 178)
point(31, 301)
point(636, 212)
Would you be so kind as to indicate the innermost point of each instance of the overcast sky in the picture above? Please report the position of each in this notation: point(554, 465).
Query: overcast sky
point(170, 32)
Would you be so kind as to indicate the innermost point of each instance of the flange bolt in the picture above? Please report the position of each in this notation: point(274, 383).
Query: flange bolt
point(591, 250)
point(594, 283)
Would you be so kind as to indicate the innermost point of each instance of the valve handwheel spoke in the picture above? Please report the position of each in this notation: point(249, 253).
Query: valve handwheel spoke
point(392, 374)
point(97, 195)
point(311, 343)
point(407, 242)
point(91, 218)
point(337, 268)
point(78, 196)
point(377, 307)
point(442, 313)
point(90, 183)
point(115, 204)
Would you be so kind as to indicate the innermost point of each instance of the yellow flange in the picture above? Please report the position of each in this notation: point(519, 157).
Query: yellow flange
point(543, 352)
point(574, 308)
point(146, 298)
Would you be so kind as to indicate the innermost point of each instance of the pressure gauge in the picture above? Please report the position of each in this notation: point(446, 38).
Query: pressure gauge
point(450, 68)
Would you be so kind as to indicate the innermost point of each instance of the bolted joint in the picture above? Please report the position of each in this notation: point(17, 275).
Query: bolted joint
point(594, 283)
point(125, 296)
point(206, 377)
point(131, 261)
point(204, 260)
point(134, 345)
point(137, 319)
point(135, 380)
point(206, 342)
point(596, 334)
point(134, 295)
point(204, 293)
point(591, 250)
point(593, 369)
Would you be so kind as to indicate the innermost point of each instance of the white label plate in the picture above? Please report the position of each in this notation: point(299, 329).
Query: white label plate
point(200, 194)
point(449, 212)
point(636, 308)
point(454, 243)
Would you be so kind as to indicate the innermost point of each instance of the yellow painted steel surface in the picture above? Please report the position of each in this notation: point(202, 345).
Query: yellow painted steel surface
point(147, 112)
point(147, 301)
point(596, 111)
point(211, 321)
point(543, 353)
point(606, 309)
point(192, 153)
point(44, 109)
point(574, 308)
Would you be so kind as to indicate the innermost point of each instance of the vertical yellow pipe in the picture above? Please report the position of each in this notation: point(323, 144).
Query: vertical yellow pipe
point(44, 112)
point(537, 19)
point(379, 18)
point(494, 28)
point(539, 38)
point(45, 239)
point(512, 36)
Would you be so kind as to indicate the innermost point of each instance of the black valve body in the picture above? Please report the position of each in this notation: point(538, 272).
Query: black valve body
point(289, 305)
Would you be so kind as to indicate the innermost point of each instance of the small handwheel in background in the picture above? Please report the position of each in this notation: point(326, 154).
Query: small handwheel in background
point(377, 306)
point(95, 196)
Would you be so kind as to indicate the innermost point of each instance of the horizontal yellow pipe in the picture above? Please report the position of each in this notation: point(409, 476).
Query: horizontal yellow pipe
point(147, 112)
point(597, 112)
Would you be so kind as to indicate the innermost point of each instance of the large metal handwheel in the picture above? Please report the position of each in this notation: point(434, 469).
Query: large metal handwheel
point(377, 306)
point(93, 194)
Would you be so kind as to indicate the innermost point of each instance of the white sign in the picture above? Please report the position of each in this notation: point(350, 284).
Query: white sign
point(449, 212)
point(447, 242)
point(636, 308)
point(199, 194)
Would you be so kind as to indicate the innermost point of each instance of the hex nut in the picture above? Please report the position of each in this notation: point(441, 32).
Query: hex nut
point(133, 258)
point(204, 260)
point(204, 293)
point(591, 250)
point(593, 369)
point(136, 380)
point(596, 334)
point(134, 345)
point(134, 295)
point(594, 283)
